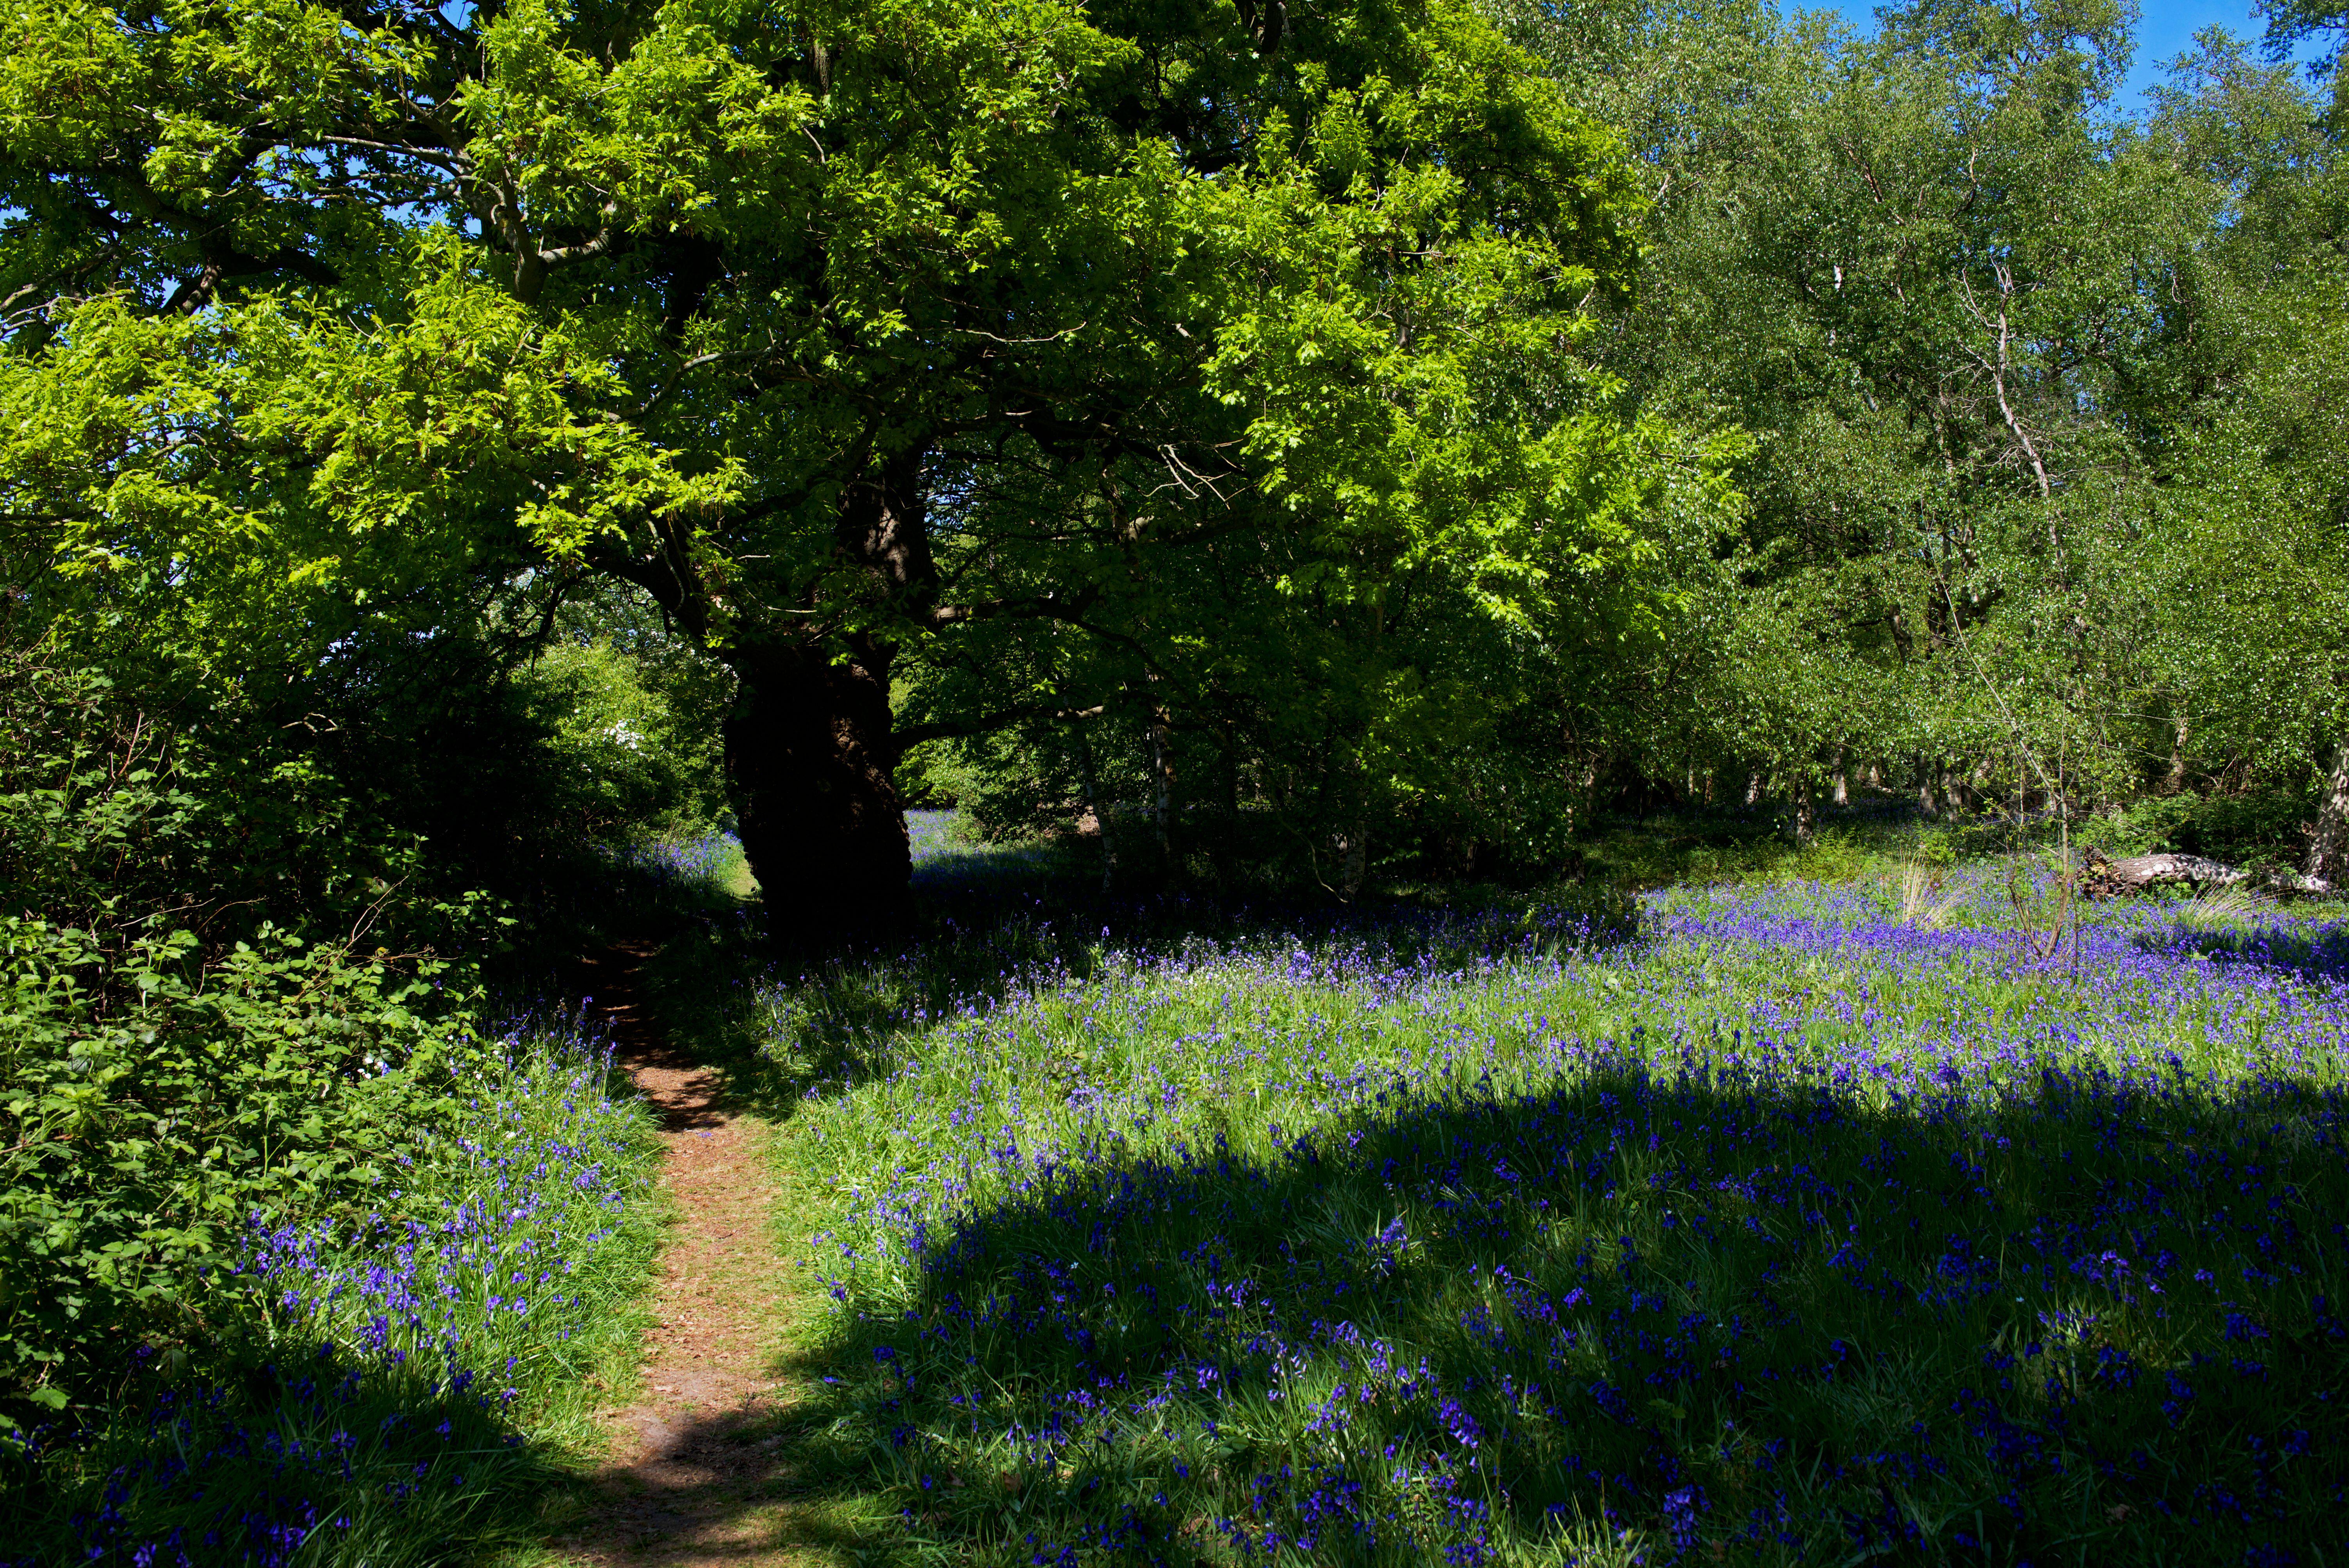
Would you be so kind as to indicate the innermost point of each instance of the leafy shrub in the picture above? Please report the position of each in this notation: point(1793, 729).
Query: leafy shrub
point(154, 1102)
point(2257, 830)
point(369, 1378)
point(931, 777)
point(621, 749)
point(178, 1053)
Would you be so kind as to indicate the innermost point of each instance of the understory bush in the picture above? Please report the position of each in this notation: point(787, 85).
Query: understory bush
point(300, 1261)
point(371, 1374)
point(2257, 830)
point(150, 1111)
point(220, 996)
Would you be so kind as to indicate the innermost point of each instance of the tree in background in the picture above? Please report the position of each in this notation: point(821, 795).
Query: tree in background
point(2031, 508)
point(1308, 408)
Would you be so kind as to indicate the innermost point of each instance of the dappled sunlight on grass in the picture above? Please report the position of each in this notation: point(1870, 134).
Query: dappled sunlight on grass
point(1705, 1306)
point(1792, 1229)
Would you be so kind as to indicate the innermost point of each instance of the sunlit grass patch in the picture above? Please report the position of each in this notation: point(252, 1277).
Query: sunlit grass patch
point(1799, 1231)
point(663, 878)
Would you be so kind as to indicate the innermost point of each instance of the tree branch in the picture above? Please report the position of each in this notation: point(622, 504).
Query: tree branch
point(1002, 718)
point(1043, 607)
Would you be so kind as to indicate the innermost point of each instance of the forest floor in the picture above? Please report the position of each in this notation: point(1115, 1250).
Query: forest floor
point(1166, 1249)
point(698, 1468)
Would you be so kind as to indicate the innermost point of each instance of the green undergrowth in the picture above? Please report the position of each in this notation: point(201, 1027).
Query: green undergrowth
point(2257, 830)
point(400, 1377)
point(1878, 835)
point(1869, 840)
point(784, 1026)
point(1826, 1220)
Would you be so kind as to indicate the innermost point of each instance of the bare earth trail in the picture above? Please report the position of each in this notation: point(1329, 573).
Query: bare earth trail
point(699, 1470)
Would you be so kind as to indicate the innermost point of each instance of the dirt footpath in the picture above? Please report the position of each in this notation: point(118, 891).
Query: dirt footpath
point(699, 1470)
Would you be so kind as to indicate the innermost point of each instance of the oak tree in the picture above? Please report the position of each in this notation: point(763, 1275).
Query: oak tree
point(835, 328)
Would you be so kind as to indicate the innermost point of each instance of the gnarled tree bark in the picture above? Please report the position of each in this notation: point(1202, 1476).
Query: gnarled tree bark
point(810, 747)
point(810, 759)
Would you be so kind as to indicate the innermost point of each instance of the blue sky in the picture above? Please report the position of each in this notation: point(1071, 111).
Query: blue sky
point(2165, 29)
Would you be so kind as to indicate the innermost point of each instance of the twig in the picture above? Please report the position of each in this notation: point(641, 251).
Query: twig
point(30, 1142)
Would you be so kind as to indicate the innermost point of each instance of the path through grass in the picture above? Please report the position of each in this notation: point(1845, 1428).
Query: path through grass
point(705, 1461)
point(1795, 1231)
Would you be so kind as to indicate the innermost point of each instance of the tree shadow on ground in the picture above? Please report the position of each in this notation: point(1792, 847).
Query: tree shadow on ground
point(2317, 952)
point(780, 1024)
point(1628, 1317)
point(1708, 1316)
point(731, 1486)
point(278, 1453)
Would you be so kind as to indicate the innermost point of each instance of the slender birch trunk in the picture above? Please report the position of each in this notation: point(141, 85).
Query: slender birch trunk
point(1095, 807)
point(1161, 786)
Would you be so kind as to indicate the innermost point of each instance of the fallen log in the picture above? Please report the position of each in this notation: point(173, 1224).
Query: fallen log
point(2103, 878)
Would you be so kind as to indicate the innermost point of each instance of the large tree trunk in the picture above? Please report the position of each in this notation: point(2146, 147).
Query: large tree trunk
point(811, 758)
point(811, 752)
point(2328, 853)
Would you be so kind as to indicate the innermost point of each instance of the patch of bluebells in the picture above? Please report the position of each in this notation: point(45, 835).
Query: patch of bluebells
point(375, 1371)
point(929, 835)
point(1793, 1232)
point(537, 1177)
point(705, 860)
point(288, 1461)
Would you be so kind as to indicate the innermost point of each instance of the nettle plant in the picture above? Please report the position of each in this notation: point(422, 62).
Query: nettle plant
point(171, 1070)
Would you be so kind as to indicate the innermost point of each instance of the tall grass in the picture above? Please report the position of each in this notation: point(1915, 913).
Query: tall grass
point(1805, 1228)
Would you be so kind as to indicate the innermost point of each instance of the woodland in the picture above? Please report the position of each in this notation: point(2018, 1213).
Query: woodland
point(483, 482)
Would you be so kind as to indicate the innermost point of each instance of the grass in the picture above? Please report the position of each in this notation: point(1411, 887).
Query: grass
point(1826, 1220)
point(655, 883)
point(1830, 1212)
point(396, 1383)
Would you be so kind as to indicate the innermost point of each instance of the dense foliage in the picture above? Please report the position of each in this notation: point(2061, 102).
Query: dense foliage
point(161, 1085)
point(2047, 492)
point(839, 331)
point(1310, 424)
point(2041, 498)
point(246, 939)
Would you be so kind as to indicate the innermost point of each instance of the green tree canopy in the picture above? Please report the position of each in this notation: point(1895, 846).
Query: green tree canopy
point(2033, 388)
point(836, 329)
